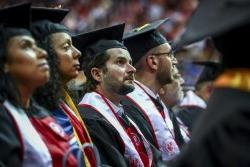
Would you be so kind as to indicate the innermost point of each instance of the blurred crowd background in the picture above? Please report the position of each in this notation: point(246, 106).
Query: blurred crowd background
point(86, 15)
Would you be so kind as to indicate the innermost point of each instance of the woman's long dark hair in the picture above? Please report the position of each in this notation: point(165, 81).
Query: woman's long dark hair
point(8, 87)
point(49, 95)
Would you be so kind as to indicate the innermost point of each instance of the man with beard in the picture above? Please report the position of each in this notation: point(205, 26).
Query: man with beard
point(154, 62)
point(110, 75)
point(171, 95)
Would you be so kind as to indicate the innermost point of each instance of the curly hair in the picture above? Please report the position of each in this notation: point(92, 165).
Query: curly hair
point(50, 94)
point(99, 61)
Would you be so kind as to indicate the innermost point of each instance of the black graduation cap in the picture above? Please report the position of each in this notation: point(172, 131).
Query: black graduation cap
point(14, 20)
point(112, 33)
point(45, 21)
point(209, 72)
point(96, 42)
point(54, 15)
point(212, 17)
point(140, 40)
point(17, 16)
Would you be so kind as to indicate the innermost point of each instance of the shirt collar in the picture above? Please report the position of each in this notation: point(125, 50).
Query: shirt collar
point(117, 108)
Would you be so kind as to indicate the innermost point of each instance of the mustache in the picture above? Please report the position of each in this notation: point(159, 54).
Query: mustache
point(130, 77)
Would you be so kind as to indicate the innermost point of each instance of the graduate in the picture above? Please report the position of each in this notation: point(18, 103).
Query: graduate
point(23, 68)
point(195, 102)
point(221, 136)
point(63, 60)
point(108, 68)
point(154, 61)
point(171, 95)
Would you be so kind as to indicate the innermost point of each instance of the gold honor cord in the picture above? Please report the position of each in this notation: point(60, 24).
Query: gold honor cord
point(238, 78)
point(72, 106)
point(140, 28)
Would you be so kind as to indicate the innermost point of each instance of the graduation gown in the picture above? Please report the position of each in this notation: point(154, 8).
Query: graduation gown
point(52, 134)
point(189, 115)
point(104, 136)
point(138, 117)
point(222, 134)
point(152, 114)
point(34, 150)
point(73, 126)
point(11, 148)
point(136, 148)
point(190, 109)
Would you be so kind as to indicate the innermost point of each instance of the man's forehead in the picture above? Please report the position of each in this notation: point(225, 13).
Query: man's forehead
point(119, 52)
point(164, 47)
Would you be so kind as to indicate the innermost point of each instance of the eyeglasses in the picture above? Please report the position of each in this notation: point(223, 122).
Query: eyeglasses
point(169, 54)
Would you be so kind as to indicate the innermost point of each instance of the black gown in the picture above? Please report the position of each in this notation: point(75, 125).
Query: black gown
point(189, 115)
point(104, 136)
point(10, 154)
point(221, 137)
point(138, 117)
point(108, 140)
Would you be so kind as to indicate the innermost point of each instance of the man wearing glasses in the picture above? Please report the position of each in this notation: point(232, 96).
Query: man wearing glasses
point(154, 61)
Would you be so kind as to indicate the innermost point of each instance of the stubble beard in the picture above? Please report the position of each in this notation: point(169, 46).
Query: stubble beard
point(125, 89)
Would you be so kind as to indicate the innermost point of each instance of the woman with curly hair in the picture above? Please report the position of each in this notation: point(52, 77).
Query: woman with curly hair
point(63, 59)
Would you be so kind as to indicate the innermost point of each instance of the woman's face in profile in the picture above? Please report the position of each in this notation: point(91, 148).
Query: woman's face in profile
point(26, 62)
point(68, 55)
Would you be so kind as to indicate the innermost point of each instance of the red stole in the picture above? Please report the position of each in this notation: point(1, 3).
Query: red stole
point(100, 104)
point(81, 134)
point(159, 122)
point(137, 141)
point(134, 136)
point(55, 139)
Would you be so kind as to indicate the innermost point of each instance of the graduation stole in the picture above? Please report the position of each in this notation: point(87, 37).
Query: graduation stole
point(238, 78)
point(100, 104)
point(35, 150)
point(71, 104)
point(70, 109)
point(163, 134)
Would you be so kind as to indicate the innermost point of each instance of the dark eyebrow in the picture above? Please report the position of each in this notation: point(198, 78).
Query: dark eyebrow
point(66, 41)
point(121, 58)
point(28, 41)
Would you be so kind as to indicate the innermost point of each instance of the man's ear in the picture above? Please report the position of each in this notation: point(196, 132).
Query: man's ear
point(152, 62)
point(96, 74)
